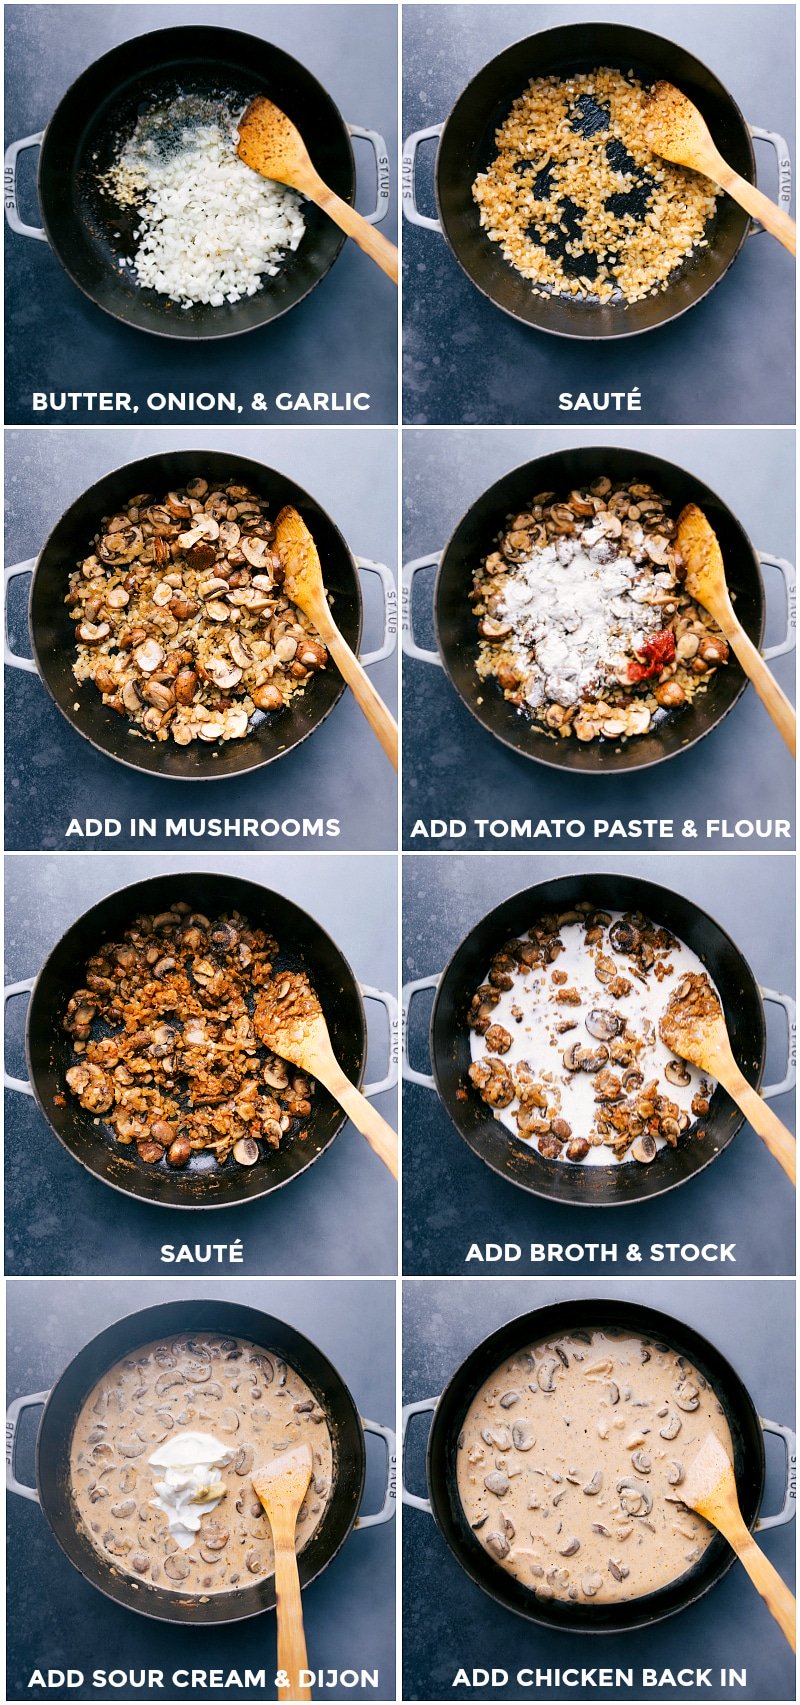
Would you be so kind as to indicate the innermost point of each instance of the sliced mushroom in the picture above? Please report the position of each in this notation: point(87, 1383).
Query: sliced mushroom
point(92, 633)
point(591, 1584)
point(675, 1472)
point(244, 1460)
point(594, 1485)
point(149, 656)
point(498, 1543)
point(176, 1566)
point(245, 1151)
point(132, 1447)
point(676, 1072)
point(497, 1483)
point(545, 1375)
point(634, 1499)
point(687, 1396)
point(645, 1148)
point(641, 1462)
point(224, 674)
point(203, 527)
point(671, 1427)
point(603, 1025)
point(257, 552)
point(570, 1546)
point(508, 1399)
point(522, 1437)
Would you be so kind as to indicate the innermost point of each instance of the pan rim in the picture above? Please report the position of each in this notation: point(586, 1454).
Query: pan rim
point(590, 336)
point(207, 1302)
point(658, 1320)
point(339, 1119)
point(157, 331)
point(130, 763)
point(505, 739)
point(534, 1189)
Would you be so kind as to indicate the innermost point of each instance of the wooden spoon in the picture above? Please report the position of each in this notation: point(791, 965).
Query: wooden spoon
point(710, 1489)
point(705, 581)
point(678, 132)
point(694, 1028)
point(288, 1019)
point(281, 1487)
point(304, 585)
point(272, 145)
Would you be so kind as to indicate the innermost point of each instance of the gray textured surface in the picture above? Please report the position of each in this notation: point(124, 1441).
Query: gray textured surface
point(742, 770)
point(57, 1619)
point(342, 338)
point(729, 360)
point(52, 774)
point(451, 1199)
point(456, 1624)
point(339, 1216)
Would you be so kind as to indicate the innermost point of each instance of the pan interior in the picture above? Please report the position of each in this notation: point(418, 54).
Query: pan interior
point(593, 1186)
point(201, 1183)
point(456, 626)
point(169, 1320)
point(468, 145)
point(91, 233)
point(53, 633)
point(517, 1335)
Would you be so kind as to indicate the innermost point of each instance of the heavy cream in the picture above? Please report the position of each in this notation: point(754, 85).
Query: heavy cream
point(192, 1485)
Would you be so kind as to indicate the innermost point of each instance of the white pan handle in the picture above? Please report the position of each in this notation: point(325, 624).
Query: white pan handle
point(13, 1413)
point(12, 212)
point(20, 1084)
point(10, 657)
point(389, 1005)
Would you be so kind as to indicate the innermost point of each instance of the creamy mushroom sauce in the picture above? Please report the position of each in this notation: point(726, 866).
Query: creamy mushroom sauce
point(570, 1464)
point(591, 995)
point(250, 1402)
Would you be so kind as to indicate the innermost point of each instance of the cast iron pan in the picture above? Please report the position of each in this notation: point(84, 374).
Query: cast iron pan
point(456, 625)
point(449, 1417)
point(167, 1320)
point(521, 1163)
point(53, 632)
point(467, 146)
point(101, 108)
point(201, 1183)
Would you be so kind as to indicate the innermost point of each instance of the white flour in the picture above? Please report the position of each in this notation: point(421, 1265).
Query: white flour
point(578, 611)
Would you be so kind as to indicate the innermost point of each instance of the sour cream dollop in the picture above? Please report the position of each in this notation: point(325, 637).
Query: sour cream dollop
point(192, 1485)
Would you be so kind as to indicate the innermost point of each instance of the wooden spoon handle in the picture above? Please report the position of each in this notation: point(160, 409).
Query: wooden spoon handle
point(771, 695)
point(766, 1580)
point(380, 1136)
point(379, 718)
point(754, 201)
point(765, 1123)
point(292, 1655)
point(355, 225)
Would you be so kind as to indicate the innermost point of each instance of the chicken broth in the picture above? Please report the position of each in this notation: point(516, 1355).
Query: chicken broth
point(213, 1410)
point(571, 1460)
point(565, 1042)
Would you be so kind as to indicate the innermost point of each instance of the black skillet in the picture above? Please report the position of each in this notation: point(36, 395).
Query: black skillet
point(456, 626)
point(746, 1427)
point(90, 234)
point(167, 1321)
point(521, 1163)
point(52, 632)
point(467, 145)
point(201, 1183)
